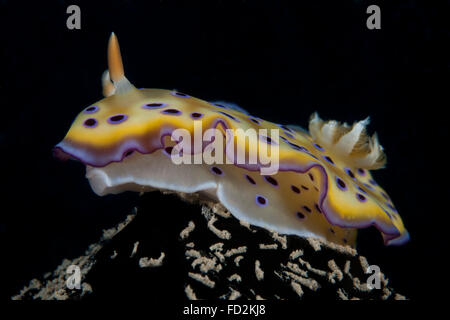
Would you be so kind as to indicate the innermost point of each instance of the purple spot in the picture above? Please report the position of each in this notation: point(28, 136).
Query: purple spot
point(368, 186)
point(318, 147)
point(391, 207)
point(345, 240)
point(328, 159)
point(350, 173)
point(307, 209)
point(332, 231)
point(295, 189)
point(361, 172)
point(118, 118)
point(90, 123)
point(250, 179)
point(196, 115)
point(317, 208)
point(168, 151)
point(91, 109)
point(361, 189)
point(341, 184)
point(266, 139)
point(388, 214)
point(128, 153)
point(385, 195)
point(300, 215)
point(286, 128)
point(372, 182)
point(179, 94)
point(172, 112)
point(154, 105)
point(296, 147)
point(305, 188)
point(288, 134)
point(219, 105)
point(261, 201)
point(217, 171)
point(254, 120)
point(229, 116)
point(271, 180)
point(360, 197)
point(311, 176)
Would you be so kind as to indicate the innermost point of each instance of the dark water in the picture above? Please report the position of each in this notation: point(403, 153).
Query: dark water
point(279, 61)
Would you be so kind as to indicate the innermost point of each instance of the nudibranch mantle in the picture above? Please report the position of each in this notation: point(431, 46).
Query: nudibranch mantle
point(323, 187)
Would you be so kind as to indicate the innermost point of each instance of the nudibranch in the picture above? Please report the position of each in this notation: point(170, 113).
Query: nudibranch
point(323, 187)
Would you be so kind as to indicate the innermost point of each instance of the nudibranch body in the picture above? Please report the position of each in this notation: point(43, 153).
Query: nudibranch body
point(322, 188)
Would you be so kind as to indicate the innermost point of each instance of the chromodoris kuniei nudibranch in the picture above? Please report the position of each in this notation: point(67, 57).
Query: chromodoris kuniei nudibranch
point(323, 186)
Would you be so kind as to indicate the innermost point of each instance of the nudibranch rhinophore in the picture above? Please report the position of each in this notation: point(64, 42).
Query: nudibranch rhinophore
point(322, 188)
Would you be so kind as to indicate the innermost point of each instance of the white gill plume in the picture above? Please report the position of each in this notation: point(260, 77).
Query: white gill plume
point(351, 144)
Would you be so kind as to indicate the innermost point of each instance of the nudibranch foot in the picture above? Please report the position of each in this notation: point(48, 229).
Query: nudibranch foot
point(258, 205)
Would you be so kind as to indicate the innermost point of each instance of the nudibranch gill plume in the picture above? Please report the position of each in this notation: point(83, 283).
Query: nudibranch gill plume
point(323, 187)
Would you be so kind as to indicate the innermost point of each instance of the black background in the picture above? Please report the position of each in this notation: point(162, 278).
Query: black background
point(278, 60)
